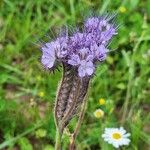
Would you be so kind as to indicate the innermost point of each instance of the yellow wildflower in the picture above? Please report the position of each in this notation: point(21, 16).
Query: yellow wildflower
point(41, 94)
point(122, 9)
point(102, 101)
point(99, 113)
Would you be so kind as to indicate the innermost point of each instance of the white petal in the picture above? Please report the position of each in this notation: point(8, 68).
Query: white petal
point(122, 130)
point(126, 135)
point(125, 141)
point(116, 145)
point(107, 139)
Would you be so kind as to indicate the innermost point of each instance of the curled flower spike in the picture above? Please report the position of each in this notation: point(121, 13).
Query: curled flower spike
point(79, 54)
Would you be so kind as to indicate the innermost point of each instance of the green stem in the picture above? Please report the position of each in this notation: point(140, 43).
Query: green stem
point(58, 141)
point(130, 80)
point(76, 131)
point(128, 95)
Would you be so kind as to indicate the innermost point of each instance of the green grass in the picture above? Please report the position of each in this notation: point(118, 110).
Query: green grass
point(27, 92)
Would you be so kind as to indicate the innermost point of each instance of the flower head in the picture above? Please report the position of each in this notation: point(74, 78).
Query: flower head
point(48, 57)
point(41, 94)
point(99, 113)
point(102, 101)
point(91, 24)
point(82, 49)
point(54, 51)
point(86, 68)
point(122, 9)
point(116, 136)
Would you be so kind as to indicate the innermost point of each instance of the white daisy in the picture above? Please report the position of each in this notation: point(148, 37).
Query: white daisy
point(99, 113)
point(116, 136)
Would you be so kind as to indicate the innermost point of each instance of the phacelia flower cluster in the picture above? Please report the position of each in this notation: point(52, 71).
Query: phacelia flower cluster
point(83, 49)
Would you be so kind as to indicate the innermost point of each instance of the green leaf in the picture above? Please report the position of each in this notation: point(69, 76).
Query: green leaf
point(121, 86)
point(2, 105)
point(134, 3)
point(48, 147)
point(40, 133)
point(24, 144)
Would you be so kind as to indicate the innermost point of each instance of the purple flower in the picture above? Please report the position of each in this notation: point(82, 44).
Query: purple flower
point(61, 47)
point(99, 52)
point(54, 51)
point(74, 60)
point(82, 49)
point(86, 68)
point(107, 35)
point(100, 29)
point(102, 52)
point(48, 57)
point(76, 41)
point(91, 24)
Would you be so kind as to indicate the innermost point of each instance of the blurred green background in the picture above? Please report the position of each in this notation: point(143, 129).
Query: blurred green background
point(27, 92)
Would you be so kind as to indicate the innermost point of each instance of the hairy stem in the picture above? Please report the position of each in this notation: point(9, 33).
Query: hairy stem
point(63, 93)
point(71, 102)
point(76, 131)
point(58, 145)
point(61, 101)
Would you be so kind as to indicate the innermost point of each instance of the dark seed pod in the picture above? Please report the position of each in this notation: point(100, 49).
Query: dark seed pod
point(83, 91)
point(75, 99)
point(63, 92)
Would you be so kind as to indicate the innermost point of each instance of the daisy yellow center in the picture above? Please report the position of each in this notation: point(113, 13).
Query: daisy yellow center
point(99, 113)
point(116, 136)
